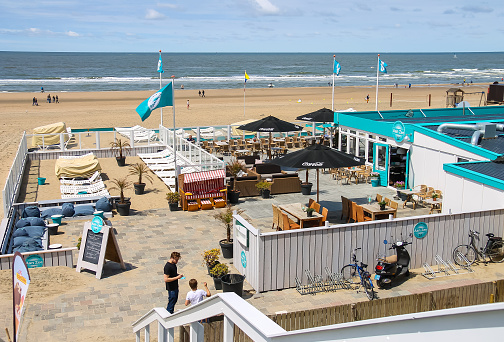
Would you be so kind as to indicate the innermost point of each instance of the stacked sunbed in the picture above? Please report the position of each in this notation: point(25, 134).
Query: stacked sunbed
point(140, 134)
point(163, 165)
point(78, 188)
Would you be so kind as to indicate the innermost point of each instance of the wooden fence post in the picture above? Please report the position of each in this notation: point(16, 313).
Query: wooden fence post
point(390, 99)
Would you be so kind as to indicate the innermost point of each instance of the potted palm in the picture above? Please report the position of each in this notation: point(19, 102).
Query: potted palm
point(226, 217)
point(121, 184)
point(121, 148)
point(234, 167)
point(264, 189)
point(309, 212)
point(306, 186)
point(382, 205)
point(173, 199)
point(211, 258)
point(434, 196)
point(142, 171)
point(217, 272)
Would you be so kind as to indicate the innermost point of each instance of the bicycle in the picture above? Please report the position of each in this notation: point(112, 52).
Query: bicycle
point(356, 273)
point(466, 255)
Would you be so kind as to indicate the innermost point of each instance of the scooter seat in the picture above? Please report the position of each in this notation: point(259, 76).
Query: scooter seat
point(391, 259)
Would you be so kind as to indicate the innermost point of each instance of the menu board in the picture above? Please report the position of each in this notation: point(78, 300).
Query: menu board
point(92, 248)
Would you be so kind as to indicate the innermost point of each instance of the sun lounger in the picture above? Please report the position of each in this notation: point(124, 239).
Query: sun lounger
point(165, 174)
point(102, 193)
point(89, 189)
point(75, 157)
point(70, 181)
point(155, 155)
point(155, 161)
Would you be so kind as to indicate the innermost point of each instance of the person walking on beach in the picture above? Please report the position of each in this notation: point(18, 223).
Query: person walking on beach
point(34, 100)
point(57, 100)
point(41, 89)
point(195, 296)
point(203, 93)
point(171, 277)
point(367, 98)
point(54, 99)
point(199, 93)
point(187, 104)
point(49, 98)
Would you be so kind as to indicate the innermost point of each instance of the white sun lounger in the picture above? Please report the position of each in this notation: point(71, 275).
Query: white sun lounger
point(165, 174)
point(155, 155)
point(75, 157)
point(89, 189)
point(104, 192)
point(70, 181)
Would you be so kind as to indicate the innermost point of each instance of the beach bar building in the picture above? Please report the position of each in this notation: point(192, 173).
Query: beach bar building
point(455, 150)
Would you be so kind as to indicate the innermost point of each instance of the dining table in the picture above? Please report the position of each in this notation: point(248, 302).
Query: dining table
point(376, 213)
point(409, 196)
point(434, 204)
point(296, 210)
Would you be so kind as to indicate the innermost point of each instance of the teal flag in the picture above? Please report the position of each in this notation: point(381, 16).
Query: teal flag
point(160, 65)
point(337, 67)
point(383, 66)
point(163, 98)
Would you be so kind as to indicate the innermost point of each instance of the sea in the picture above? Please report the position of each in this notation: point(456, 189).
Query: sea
point(81, 71)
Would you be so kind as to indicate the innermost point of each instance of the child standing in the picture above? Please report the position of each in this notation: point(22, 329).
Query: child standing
point(195, 296)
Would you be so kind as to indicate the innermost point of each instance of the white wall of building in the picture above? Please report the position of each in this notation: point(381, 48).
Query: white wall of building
point(427, 156)
point(467, 195)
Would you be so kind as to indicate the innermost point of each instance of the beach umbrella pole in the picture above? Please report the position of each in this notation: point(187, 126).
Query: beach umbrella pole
point(317, 185)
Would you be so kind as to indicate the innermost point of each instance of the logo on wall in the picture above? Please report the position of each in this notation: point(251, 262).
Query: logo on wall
point(398, 131)
point(420, 230)
point(243, 259)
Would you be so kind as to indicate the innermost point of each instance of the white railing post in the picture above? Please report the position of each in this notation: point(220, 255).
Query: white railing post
point(137, 336)
point(132, 138)
point(228, 330)
point(162, 334)
point(147, 333)
point(171, 335)
point(97, 140)
point(62, 142)
point(229, 132)
point(196, 333)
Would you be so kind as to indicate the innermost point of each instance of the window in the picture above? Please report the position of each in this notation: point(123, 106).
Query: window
point(370, 153)
point(462, 160)
point(381, 152)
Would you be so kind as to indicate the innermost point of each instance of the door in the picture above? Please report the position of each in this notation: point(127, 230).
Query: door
point(381, 162)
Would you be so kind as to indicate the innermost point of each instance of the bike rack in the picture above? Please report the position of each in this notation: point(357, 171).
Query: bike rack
point(446, 268)
point(317, 284)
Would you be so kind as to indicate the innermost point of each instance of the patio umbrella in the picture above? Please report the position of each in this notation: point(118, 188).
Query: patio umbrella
point(317, 157)
point(321, 115)
point(270, 124)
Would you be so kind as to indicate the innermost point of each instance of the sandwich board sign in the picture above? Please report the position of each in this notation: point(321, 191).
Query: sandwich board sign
point(96, 246)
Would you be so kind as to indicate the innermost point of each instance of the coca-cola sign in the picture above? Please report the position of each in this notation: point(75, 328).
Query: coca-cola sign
point(315, 164)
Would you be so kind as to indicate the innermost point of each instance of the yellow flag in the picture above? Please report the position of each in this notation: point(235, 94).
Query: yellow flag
point(246, 77)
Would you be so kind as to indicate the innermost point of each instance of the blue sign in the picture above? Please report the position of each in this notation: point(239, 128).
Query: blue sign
point(398, 131)
point(96, 224)
point(34, 260)
point(420, 230)
point(243, 259)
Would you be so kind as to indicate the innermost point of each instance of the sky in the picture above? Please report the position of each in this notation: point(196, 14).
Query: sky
point(251, 26)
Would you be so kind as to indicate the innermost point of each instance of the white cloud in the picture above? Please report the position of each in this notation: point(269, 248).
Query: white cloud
point(267, 7)
point(72, 34)
point(172, 6)
point(153, 15)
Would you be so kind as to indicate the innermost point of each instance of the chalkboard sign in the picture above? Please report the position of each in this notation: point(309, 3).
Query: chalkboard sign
point(96, 247)
point(92, 248)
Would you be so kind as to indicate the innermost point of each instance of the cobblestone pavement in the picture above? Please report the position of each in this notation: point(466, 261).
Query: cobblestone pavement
point(104, 309)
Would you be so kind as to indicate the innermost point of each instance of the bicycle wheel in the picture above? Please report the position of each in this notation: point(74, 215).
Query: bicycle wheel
point(350, 274)
point(368, 287)
point(464, 255)
point(496, 252)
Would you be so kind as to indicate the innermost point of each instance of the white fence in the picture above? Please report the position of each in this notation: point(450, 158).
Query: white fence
point(278, 258)
point(13, 181)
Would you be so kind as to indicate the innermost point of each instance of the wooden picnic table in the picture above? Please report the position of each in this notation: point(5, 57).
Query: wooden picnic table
point(375, 211)
point(296, 210)
point(434, 205)
point(409, 196)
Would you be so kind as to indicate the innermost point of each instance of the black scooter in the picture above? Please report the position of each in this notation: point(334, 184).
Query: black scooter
point(389, 268)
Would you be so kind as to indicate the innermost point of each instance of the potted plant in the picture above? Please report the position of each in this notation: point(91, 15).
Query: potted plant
point(173, 199)
point(375, 179)
point(309, 212)
point(233, 283)
point(399, 185)
point(234, 167)
point(226, 217)
point(142, 171)
point(211, 258)
point(217, 272)
point(306, 186)
point(121, 184)
point(382, 205)
point(120, 148)
point(434, 196)
point(264, 189)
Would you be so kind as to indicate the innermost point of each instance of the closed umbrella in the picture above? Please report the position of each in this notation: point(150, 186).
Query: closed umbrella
point(270, 124)
point(317, 157)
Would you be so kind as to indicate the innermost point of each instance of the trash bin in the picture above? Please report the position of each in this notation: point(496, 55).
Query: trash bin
point(41, 180)
point(57, 219)
point(233, 283)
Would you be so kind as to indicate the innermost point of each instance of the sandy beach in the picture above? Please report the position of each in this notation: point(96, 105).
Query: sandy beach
point(219, 107)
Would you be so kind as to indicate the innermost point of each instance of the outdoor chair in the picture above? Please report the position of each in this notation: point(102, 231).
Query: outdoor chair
point(393, 205)
point(379, 198)
point(287, 223)
point(310, 202)
point(360, 215)
point(325, 213)
point(387, 201)
point(344, 208)
point(354, 211)
point(70, 181)
point(276, 217)
point(350, 210)
point(315, 206)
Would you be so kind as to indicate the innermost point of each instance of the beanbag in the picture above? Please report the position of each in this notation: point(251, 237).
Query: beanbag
point(27, 244)
point(20, 232)
point(83, 210)
point(67, 209)
point(19, 240)
point(50, 212)
point(23, 223)
point(35, 221)
point(103, 204)
point(35, 231)
point(31, 212)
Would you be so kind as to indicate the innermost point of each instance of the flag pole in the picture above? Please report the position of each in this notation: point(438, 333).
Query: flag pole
point(161, 86)
point(334, 62)
point(377, 75)
point(174, 135)
point(244, 86)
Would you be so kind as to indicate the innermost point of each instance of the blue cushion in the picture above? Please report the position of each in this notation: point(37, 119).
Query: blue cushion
point(67, 209)
point(27, 244)
point(84, 210)
point(23, 223)
point(35, 221)
point(31, 212)
point(103, 204)
point(50, 212)
point(20, 232)
point(19, 240)
point(35, 231)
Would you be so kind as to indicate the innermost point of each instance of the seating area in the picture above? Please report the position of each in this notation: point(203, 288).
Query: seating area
point(139, 133)
point(282, 216)
point(202, 190)
point(345, 175)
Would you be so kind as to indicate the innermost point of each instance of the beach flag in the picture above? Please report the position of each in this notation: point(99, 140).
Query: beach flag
point(163, 98)
point(383, 66)
point(160, 65)
point(337, 67)
point(246, 77)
